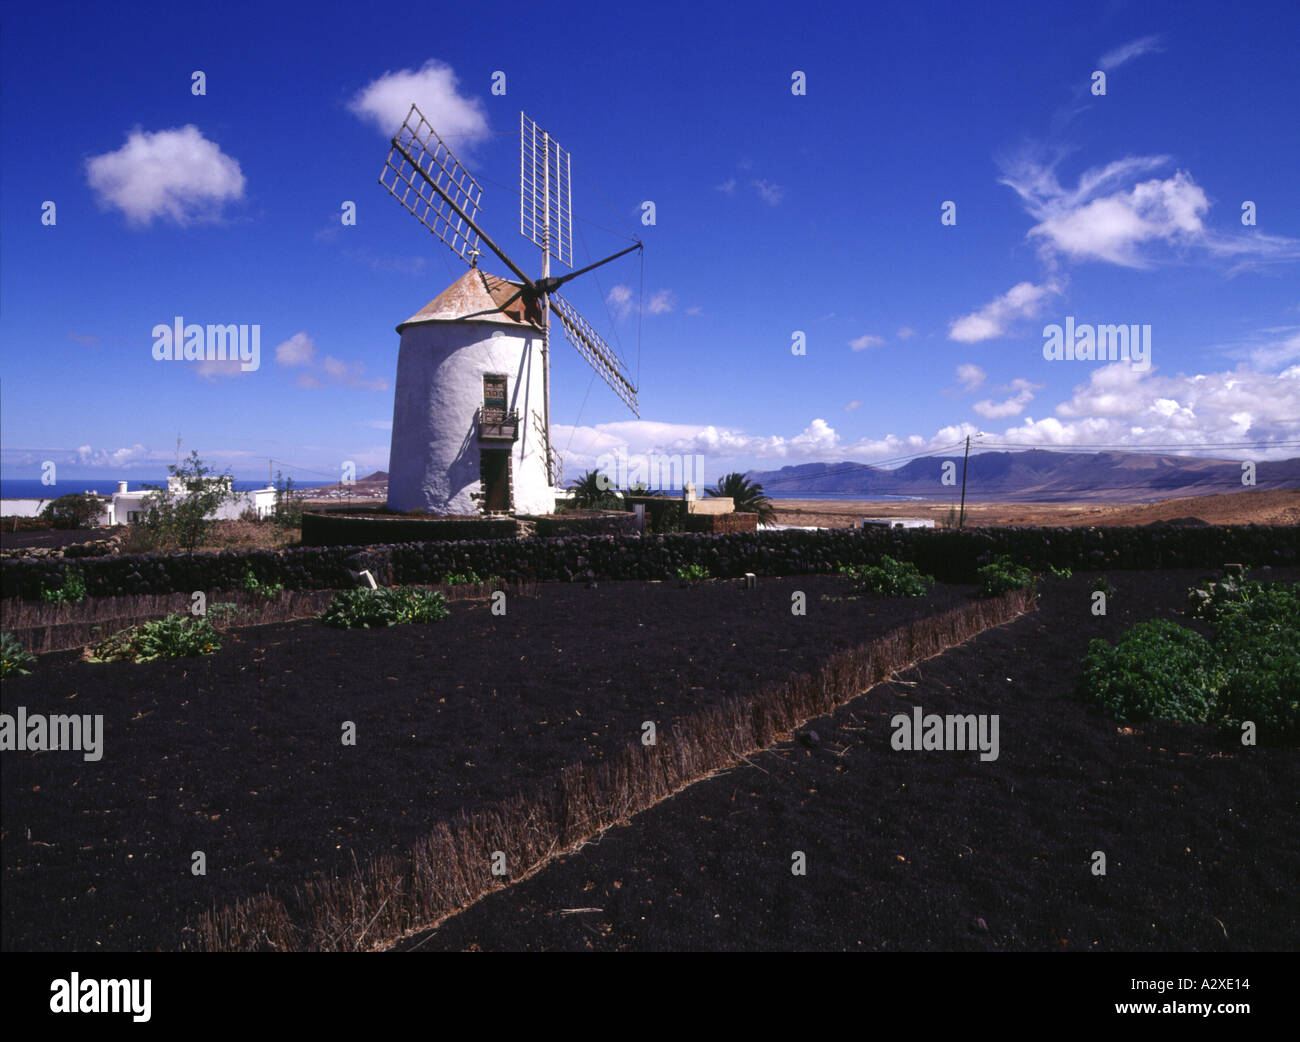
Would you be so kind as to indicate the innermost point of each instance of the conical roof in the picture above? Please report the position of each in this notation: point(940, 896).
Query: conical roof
point(477, 297)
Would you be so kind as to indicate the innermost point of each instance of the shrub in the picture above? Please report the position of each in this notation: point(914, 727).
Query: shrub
point(464, 578)
point(1158, 669)
point(689, 574)
point(1002, 575)
point(255, 586)
point(14, 661)
point(386, 606)
point(287, 512)
point(890, 577)
point(75, 510)
point(176, 636)
point(1058, 573)
point(1102, 585)
point(183, 516)
point(1257, 638)
point(72, 591)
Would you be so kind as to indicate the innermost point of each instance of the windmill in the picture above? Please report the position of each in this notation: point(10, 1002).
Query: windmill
point(431, 465)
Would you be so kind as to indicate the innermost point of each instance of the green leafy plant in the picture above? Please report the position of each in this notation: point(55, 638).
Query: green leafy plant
point(1102, 585)
point(1248, 671)
point(386, 606)
point(1158, 669)
point(689, 574)
point(71, 591)
point(1002, 575)
point(747, 496)
point(14, 661)
point(176, 636)
point(890, 577)
point(259, 588)
point(1058, 573)
point(465, 578)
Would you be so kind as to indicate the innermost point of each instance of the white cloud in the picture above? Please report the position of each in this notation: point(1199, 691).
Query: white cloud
point(661, 302)
point(855, 404)
point(621, 302)
point(970, 376)
point(1127, 52)
point(175, 174)
point(299, 349)
point(459, 120)
point(770, 193)
point(299, 352)
point(728, 186)
point(1023, 300)
point(619, 299)
point(1012, 406)
point(865, 341)
point(906, 333)
point(1111, 216)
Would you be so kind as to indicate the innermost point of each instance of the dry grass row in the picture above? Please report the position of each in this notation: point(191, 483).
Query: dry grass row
point(391, 899)
point(41, 627)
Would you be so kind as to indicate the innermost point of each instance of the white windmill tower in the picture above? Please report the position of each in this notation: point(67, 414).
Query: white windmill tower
point(472, 409)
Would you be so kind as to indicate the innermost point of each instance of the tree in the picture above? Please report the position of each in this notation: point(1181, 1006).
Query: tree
point(747, 496)
point(75, 510)
point(287, 512)
point(593, 491)
point(181, 513)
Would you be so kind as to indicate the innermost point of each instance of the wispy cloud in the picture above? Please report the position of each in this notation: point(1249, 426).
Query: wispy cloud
point(1023, 300)
point(1127, 52)
point(1013, 406)
point(622, 302)
point(728, 186)
point(865, 341)
point(770, 193)
point(299, 352)
point(970, 376)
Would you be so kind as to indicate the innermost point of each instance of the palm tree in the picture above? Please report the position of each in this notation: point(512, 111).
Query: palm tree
point(593, 491)
point(748, 497)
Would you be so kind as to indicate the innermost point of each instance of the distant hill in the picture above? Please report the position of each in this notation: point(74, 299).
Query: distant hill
point(377, 477)
point(1034, 475)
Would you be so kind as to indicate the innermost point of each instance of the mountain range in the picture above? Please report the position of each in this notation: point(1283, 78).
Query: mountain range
point(1033, 475)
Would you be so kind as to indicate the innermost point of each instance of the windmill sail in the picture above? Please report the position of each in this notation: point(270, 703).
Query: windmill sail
point(593, 348)
point(545, 195)
point(422, 173)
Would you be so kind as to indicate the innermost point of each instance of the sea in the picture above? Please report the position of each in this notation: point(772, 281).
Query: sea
point(32, 488)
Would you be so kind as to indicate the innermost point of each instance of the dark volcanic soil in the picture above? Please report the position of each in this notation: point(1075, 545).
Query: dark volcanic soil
point(239, 754)
point(939, 850)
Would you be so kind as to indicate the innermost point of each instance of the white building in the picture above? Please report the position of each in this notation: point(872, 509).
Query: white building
point(469, 404)
point(124, 508)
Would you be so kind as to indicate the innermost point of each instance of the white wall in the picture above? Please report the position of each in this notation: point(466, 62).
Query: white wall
point(434, 459)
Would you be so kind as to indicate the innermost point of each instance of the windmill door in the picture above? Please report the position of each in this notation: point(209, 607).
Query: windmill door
point(495, 464)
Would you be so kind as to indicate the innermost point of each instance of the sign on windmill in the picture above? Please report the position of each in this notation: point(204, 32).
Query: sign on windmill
point(471, 409)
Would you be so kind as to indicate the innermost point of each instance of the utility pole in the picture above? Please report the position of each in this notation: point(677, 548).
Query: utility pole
point(961, 518)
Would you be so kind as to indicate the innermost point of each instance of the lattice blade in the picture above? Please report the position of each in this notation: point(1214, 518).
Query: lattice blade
point(422, 173)
point(593, 348)
point(545, 196)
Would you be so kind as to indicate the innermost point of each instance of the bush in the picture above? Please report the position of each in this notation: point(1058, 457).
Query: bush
point(1102, 585)
point(75, 510)
point(14, 661)
point(1158, 669)
point(255, 586)
point(464, 578)
point(72, 591)
point(690, 574)
point(890, 577)
point(1249, 671)
point(386, 606)
point(176, 636)
point(1003, 575)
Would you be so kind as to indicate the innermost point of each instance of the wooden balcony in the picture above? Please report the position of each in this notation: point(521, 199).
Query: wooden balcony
point(496, 424)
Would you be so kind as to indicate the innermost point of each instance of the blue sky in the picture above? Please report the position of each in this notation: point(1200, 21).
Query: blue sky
point(775, 213)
